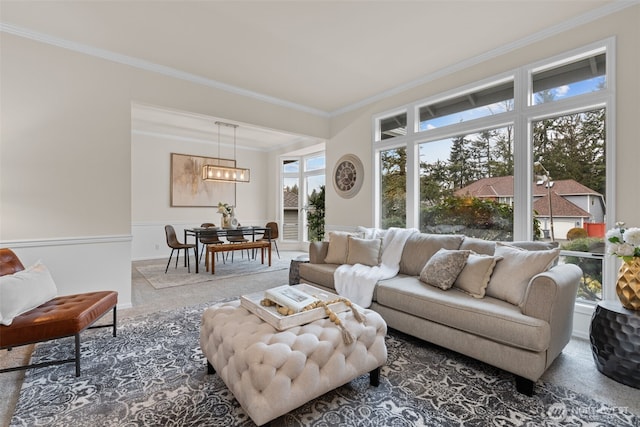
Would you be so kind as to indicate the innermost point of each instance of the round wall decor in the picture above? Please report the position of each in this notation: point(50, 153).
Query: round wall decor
point(348, 175)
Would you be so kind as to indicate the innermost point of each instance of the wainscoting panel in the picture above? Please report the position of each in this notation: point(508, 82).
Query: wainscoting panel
point(82, 264)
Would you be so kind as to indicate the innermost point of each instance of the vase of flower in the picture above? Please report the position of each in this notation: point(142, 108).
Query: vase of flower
point(227, 212)
point(628, 284)
point(625, 244)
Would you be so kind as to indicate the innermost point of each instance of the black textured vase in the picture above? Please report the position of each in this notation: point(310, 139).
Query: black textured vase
point(615, 342)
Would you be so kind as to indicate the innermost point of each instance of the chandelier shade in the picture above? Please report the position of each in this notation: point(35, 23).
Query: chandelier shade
point(226, 173)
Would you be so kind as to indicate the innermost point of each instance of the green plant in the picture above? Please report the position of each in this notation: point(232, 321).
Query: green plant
point(315, 215)
point(576, 233)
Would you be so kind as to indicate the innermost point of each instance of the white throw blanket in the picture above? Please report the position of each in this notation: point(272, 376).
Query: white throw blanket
point(358, 281)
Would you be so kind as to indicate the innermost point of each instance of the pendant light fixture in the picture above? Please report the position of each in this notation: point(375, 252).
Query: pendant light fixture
point(225, 173)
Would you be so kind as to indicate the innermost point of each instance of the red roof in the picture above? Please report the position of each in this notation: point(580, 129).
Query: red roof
point(502, 186)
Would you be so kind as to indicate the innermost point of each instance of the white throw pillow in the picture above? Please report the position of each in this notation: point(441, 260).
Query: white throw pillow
point(443, 268)
point(24, 291)
point(511, 276)
point(338, 247)
point(364, 251)
point(475, 276)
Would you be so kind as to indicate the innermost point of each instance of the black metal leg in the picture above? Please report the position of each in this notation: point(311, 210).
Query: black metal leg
point(114, 320)
point(168, 262)
point(178, 257)
point(77, 355)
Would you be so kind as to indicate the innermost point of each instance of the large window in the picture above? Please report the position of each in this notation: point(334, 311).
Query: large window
point(496, 161)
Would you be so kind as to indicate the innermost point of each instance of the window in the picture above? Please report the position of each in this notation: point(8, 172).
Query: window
point(479, 103)
point(497, 163)
point(466, 185)
point(302, 177)
point(572, 78)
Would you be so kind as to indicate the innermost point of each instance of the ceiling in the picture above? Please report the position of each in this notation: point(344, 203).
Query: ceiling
point(324, 57)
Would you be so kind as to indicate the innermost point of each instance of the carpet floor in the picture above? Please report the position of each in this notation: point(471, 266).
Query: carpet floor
point(242, 265)
point(153, 374)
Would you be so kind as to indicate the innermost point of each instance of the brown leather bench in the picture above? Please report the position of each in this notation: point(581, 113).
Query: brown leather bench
point(63, 316)
point(259, 244)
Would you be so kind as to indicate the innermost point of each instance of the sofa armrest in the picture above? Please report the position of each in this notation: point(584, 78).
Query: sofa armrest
point(318, 252)
point(551, 296)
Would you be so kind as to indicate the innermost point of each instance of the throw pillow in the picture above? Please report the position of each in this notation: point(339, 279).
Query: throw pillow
point(338, 246)
point(475, 276)
point(443, 268)
point(364, 251)
point(511, 276)
point(24, 291)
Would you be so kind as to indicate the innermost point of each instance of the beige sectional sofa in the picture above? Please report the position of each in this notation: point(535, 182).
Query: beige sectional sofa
point(516, 314)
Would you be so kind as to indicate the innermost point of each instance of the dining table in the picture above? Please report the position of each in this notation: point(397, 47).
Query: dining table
point(221, 232)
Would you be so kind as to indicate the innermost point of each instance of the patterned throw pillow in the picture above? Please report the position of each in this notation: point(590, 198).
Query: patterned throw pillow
point(443, 268)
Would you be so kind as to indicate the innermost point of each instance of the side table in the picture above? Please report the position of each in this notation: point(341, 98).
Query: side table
point(615, 342)
point(294, 269)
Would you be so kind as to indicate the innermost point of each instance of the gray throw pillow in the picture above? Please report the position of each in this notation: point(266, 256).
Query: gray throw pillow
point(364, 251)
point(443, 268)
point(511, 276)
point(475, 276)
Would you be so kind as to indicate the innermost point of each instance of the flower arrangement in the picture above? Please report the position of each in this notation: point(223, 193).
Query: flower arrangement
point(623, 242)
point(225, 209)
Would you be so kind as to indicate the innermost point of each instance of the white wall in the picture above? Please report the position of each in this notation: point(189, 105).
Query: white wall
point(66, 157)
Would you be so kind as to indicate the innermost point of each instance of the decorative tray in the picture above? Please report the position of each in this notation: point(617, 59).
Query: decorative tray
point(269, 314)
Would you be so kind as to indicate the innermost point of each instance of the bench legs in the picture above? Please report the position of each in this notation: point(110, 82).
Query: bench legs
point(76, 359)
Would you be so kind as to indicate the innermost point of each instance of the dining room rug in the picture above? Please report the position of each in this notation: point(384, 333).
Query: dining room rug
point(242, 265)
point(154, 374)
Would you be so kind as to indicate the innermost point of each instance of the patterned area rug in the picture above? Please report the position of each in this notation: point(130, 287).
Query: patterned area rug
point(153, 271)
point(153, 374)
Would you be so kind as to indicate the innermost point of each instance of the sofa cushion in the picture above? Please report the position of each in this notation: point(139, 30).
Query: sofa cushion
point(443, 268)
point(479, 246)
point(363, 251)
point(488, 317)
point(319, 274)
point(512, 274)
point(475, 276)
point(420, 247)
point(338, 247)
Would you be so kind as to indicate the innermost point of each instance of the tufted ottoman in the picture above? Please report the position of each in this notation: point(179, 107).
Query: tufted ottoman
point(271, 372)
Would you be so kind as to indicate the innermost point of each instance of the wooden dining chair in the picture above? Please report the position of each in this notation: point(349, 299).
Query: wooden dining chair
point(175, 245)
point(210, 238)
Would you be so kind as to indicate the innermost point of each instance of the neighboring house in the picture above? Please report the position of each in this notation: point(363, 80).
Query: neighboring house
point(572, 204)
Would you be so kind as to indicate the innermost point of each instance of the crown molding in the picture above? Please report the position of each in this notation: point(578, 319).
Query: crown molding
point(152, 67)
point(577, 21)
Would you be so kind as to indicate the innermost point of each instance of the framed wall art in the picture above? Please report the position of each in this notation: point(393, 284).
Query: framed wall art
point(187, 187)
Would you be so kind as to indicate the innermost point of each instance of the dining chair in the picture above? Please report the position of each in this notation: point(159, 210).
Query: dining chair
point(210, 238)
point(273, 226)
point(175, 245)
point(236, 236)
